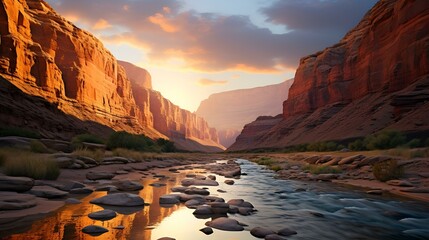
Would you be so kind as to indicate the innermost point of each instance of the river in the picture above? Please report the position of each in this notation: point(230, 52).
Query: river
point(314, 210)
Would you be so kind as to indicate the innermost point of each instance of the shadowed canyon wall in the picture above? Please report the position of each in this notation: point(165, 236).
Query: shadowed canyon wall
point(375, 78)
point(229, 111)
point(46, 56)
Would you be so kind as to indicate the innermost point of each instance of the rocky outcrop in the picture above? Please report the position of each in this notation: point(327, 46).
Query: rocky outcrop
point(139, 76)
point(229, 111)
point(376, 77)
point(70, 73)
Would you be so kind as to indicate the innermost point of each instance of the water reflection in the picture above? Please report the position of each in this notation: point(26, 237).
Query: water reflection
point(67, 222)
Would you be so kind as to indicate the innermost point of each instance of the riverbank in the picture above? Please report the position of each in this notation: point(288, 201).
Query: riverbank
point(351, 169)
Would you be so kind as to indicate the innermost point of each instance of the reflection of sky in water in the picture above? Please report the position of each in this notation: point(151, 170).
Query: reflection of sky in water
point(347, 214)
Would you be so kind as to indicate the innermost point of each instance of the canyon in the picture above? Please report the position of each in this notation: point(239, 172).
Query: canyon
point(61, 81)
point(229, 111)
point(375, 78)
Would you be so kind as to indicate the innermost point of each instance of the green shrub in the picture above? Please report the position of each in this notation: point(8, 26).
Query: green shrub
point(387, 170)
point(415, 143)
point(166, 145)
point(357, 145)
point(265, 161)
point(130, 141)
point(19, 132)
point(318, 169)
point(33, 166)
point(89, 138)
point(384, 140)
point(38, 147)
point(276, 168)
point(322, 146)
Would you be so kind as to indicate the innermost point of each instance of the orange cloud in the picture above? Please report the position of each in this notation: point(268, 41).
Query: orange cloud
point(210, 82)
point(163, 22)
point(101, 24)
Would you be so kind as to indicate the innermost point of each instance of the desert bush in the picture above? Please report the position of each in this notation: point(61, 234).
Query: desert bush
point(38, 147)
point(33, 166)
point(129, 141)
point(89, 138)
point(357, 145)
point(318, 169)
point(96, 154)
point(387, 170)
point(384, 140)
point(415, 143)
point(19, 132)
point(322, 146)
point(276, 168)
point(166, 145)
point(265, 161)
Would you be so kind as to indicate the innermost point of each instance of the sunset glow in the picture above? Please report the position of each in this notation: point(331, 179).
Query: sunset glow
point(195, 48)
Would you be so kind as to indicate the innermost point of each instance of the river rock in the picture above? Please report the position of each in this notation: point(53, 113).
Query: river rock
point(169, 199)
point(260, 232)
point(158, 184)
point(120, 199)
point(166, 238)
point(84, 190)
point(212, 177)
point(273, 237)
point(197, 182)
point(219, 207)
point(94, 230)
point(73, 201)
point(114, 160)
point(240, 203)
point(226, 224)
point(286, 232)
point(207, 230)
point(71, 185)
point(47, 192)
point(203, 210)
point(400, 183)
point(102, 215)
point(127, 185)
point(179, 189)
point(351, 159)
point(194, 203)
point(198, 191)
point(16, 184)
point(99, 175)
point(16, 201)
point(229, 182)
point(108, 188)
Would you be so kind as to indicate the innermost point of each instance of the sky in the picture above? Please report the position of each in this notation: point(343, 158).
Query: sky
point(193, 48)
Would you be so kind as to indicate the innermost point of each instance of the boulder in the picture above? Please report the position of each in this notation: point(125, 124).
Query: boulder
point(286, 232)
point(114, 160)
point(197, 182)
point(240, 203)
point(219, 207)
point(99, 175)
point(102, 215)
point(120, 199)
point(47, 192)
point(127, 185)
point(260, 232)
point(94, 230)
point(273, 237)
point(203, 210)
point(73, 201)
point(16, 184)
point(84, 190)
point(229, 182)
point(207, 230)
point(226, 224)
point(169, 199)
point(351, 159)
point(199, 191)
point(16, 201)
point(71, 185)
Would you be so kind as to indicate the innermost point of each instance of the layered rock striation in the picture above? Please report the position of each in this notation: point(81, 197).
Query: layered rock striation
point(375, 78)
point(46, 56)
point(229, 111)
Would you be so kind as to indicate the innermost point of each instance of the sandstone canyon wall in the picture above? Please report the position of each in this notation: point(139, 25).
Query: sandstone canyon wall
point(229, 111)
point(49, 59)
point(375, 78)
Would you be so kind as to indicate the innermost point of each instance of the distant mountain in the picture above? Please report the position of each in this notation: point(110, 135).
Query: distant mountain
point(229, 111)
point(60, 80)
point(375, 78)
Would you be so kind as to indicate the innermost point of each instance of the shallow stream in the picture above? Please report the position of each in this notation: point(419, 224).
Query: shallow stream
point(314, 210)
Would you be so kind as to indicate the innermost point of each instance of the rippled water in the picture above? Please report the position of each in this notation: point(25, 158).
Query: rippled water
point(323, 211)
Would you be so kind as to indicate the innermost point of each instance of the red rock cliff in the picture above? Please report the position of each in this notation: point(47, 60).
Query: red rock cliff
point(377, 77)
point(46, 56)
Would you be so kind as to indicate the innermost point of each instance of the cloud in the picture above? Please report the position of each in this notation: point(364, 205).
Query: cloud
point(213, 42)
point(209, 82)
point(102, 24)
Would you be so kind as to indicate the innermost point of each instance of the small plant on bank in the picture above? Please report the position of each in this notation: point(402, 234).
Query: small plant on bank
point(130, 141)
point(317, 169)
point(415, 143)
point(96, 154)
point(33, 166)
point(265, 161)
point(78, 140)
point(38, 147)
point(387, 170)
point(384, 140)
point(276, 168)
